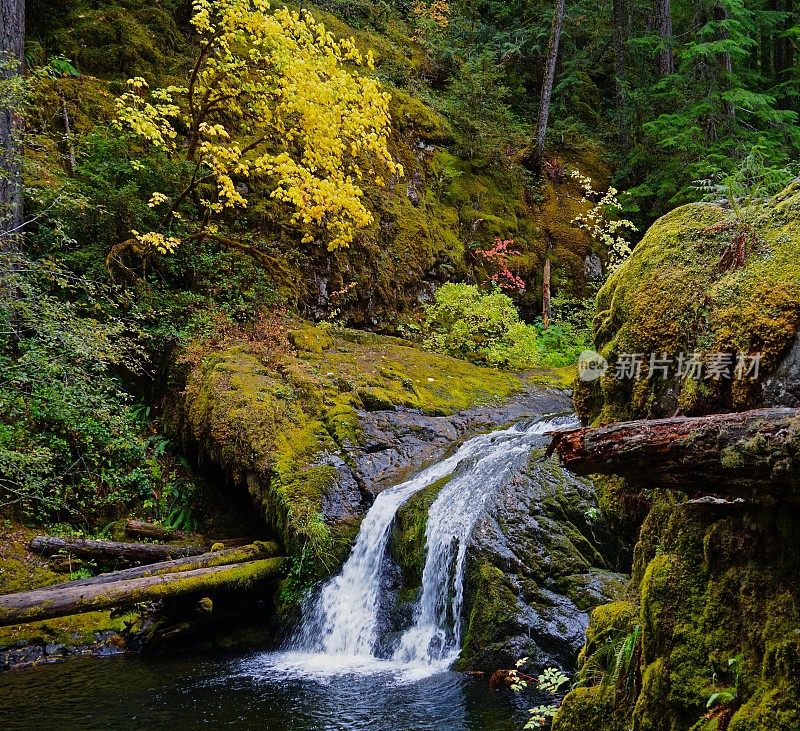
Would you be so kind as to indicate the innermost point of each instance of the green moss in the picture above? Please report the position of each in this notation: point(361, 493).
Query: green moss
point(671, 297)
point(79, 629)
point(586, 709)
point(611, 619)
point(122, 37)
point(407, 542)
point(19, 569)
point(711, 589)
point(773, 709)
point(492, 607)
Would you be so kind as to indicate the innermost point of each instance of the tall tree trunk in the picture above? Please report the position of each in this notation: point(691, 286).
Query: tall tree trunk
point(662, 12)
point(724, 57)
point(547, 280)
point(546, 277)
point(620, 37)
point(784, 51)
point(12, 44)
point(547, 84)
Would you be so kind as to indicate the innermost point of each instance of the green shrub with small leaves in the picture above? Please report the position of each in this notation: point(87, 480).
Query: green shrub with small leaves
point(485, 327)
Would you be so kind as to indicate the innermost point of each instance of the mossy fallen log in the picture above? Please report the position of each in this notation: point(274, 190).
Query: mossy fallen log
point(111, 551)
point(752, 453)
point(142, 529)
point(227, 557)
point(49, 603)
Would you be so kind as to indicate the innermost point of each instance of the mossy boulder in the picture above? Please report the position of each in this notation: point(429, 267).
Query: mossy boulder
point(676, 294)
point(588, 708)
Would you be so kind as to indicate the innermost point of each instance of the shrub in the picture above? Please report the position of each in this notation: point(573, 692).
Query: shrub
point(466, 323)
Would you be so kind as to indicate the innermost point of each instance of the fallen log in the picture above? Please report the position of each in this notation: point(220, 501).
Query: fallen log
point(726, 454)
point(231, 542)
point(225, 557)
point(41, 604)
point(142, 529)
point(110, 552)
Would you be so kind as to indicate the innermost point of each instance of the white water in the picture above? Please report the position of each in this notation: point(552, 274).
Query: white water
point(340, 628)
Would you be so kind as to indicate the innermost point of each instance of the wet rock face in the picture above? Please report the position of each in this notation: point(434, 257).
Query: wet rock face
point(397, 443)
point(538, 565)
point(782, 388)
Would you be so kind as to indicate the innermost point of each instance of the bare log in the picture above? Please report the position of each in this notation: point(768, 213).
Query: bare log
point(142, 529)
point(726, 454)
point(227, 557)
point(111, 551)
point(41, 604)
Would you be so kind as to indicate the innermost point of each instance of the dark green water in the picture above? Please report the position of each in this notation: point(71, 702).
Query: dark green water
point(245, 690)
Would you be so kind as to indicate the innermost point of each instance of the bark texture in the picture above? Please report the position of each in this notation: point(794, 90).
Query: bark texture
point(662, 12)
point(752, 454)
point(111, 551)
point(12, 45)
point(548, 80)
point(41, 604)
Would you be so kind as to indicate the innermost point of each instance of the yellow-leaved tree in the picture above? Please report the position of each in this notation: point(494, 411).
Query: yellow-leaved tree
point(272, 101)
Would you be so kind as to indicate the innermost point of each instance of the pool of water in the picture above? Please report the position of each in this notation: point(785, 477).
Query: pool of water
point(249, 689)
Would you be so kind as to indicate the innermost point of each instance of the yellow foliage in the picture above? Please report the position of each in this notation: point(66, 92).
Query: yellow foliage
point(272, 98)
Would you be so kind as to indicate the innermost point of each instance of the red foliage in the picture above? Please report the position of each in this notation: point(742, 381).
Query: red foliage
point(498, 256)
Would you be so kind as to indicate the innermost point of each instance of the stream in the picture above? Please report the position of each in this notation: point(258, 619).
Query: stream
point(345, 667)
point(241, 688)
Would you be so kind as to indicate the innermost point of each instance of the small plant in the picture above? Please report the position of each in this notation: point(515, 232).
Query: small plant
point(497, 258)
point(592, 514)
point(551, 682)
point(722, 703)
point(601, 223)
point(745, 192)
point(615, 663)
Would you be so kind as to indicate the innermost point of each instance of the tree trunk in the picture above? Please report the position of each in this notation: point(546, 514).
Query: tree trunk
point(724, 58)
point(750, 454)
point(33, 606)
point(226, 557)
point(784, 52)
point(662, 12)
point(547, 84)
point(767, 46)
point(141, 529)
point(111, 551)
point(620, 37)
point(546, 293)
point(12, 45)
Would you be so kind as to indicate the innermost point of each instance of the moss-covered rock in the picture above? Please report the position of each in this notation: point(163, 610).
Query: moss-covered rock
point(719, 608)
point(673, 296)
point(588, 708)
point(538, 564)
point(407, 541)
point(282, 423)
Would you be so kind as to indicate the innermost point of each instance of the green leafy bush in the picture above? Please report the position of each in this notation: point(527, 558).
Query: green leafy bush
point(69, 445)
point(466, 323)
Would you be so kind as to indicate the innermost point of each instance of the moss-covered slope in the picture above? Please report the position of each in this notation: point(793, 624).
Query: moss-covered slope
point(673, 296)
point(278, 421)
point(718, 607)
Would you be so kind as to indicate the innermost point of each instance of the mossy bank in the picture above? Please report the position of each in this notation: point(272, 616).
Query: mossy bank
point(285, 420)
point(710, 629)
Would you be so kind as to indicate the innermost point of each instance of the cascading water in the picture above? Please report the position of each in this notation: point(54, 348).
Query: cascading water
point(341, 624)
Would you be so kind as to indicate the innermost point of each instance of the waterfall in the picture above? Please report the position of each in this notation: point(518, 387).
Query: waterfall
point(342, 621)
